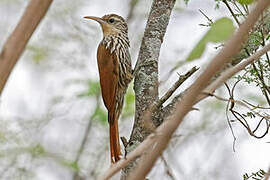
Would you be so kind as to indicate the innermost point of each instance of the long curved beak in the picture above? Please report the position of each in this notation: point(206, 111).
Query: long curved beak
point(99, 20)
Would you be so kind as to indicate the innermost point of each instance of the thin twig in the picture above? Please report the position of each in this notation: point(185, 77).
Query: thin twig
point(237, 102)
point(230, 125)
point(245, 123)
point(238, 9)
point(231, 11)
point(210, 20)
point(163, 133)
point(264, 89)
point(167, 168)
point(232, 71)
point(255, 106)
point(85, 138)
point(227, 110)
point(142, 148)
point(165, 130)
point(179, 82)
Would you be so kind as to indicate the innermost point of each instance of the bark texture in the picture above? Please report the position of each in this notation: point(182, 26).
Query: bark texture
point(146, 73)
point(15, 44)
point(164, 132)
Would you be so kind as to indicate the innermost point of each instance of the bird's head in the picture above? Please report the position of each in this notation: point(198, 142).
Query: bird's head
point(111, 24)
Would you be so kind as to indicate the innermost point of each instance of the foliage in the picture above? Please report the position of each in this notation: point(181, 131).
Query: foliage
point(65, 50)
point(220, 31)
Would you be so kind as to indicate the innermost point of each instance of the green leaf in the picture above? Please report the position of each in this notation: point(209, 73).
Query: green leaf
point(245, 2)
point(220, 31)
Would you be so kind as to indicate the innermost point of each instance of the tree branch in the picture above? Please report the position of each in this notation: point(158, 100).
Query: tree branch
point(129, 158)
point(85, 139)
point(165, 131)
point(219, 81)
point(237, 68)
point(15, 44)
point(181, 79)
point(168, 169)
point(146, 72)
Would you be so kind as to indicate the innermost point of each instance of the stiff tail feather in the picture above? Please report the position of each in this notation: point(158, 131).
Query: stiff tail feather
point(114, 138)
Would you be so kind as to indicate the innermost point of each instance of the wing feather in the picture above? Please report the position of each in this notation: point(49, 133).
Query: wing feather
point(109, 74)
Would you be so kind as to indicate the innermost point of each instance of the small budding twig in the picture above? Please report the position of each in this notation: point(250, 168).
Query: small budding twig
point(240, 117)
point(179, 82)
point(210, 21)
point(163, 133)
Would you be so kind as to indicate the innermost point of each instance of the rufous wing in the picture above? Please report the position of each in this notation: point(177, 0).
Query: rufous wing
point(109, 74)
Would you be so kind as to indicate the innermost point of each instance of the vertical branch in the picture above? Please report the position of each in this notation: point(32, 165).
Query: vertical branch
point(164, 131)
point(15, 44)
point(146, 70)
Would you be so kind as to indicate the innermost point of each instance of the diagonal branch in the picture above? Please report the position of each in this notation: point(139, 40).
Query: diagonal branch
point(15, 44)
point(165, 131)
point(168, 168)
point(237, 68)
point(181, 79)
point(86, 138)
point(146, 73)
point(220, 80)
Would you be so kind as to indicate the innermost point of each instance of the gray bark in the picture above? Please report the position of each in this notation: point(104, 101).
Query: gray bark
point(146, 74)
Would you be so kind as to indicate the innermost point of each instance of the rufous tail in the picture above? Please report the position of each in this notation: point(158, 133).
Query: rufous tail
point(114, 138)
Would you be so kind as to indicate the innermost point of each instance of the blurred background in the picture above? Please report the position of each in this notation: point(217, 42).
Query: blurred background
point(53, 124)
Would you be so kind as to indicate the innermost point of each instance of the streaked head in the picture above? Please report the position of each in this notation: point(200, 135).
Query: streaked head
point(111, 24)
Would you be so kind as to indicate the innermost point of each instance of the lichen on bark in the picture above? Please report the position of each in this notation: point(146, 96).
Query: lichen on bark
point(146, 76)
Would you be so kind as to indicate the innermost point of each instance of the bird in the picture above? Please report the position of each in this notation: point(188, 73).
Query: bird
point(115, 72)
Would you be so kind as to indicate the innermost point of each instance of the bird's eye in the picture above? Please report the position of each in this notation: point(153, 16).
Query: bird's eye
point(111, 20)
